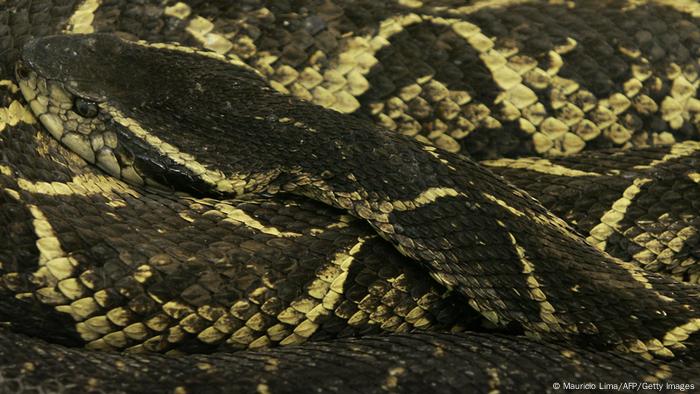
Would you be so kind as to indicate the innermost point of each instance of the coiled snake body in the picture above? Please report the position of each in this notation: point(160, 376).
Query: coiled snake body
point(132, 266)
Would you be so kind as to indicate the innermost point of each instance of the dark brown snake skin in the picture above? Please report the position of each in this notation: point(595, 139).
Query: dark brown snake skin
point(87, 259)
point(639, 205)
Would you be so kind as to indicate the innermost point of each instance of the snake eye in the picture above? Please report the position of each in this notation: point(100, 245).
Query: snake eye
point(85, 108)
point(21, 71)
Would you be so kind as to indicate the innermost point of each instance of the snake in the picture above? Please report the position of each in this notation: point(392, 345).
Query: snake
point(232, 211)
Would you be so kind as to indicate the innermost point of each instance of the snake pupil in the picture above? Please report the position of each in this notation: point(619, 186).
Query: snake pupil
point(85, 108)
point(21, 71)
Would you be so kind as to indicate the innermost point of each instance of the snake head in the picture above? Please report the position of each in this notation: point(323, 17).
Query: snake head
point(113, 103)
point(67, 81)
point(145, 111)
